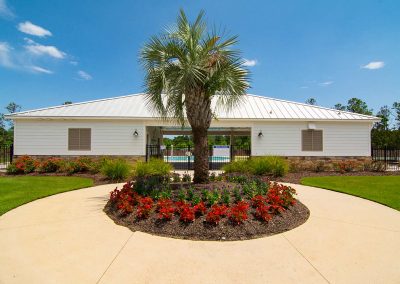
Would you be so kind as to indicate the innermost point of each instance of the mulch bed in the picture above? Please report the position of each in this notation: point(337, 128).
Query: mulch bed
point(296, 177)
point(293, 217)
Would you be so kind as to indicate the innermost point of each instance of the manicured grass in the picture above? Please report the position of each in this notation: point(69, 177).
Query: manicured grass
point(382, 189)
point(15, 191)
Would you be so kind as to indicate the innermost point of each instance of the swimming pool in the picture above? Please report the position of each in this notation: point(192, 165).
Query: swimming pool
point(184, 159)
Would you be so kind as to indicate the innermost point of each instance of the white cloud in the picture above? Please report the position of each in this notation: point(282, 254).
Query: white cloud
point(31, 29)
point(304, 87)
point(38, 69)
point(249, 62)
point(374, 65)
point(325, 84)
point(75, 63)
point(5, 10)
point(38, 49)
point(18, 60)
point(5, 55)
point(83, 75)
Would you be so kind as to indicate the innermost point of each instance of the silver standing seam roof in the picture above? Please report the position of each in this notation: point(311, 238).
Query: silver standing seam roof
point(136, 107)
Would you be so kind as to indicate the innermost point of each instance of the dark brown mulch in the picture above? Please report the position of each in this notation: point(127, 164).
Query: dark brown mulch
point(224, 231)
point(296, 177)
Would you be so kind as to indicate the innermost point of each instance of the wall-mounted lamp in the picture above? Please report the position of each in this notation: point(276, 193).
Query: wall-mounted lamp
point(135, 133)
point(260, 134)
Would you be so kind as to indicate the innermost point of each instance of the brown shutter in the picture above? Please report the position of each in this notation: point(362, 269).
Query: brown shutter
point(73, 139)
point(311, 140)
point(306, 138)
point(317, 140)
point(79, 139)
point(85, 139)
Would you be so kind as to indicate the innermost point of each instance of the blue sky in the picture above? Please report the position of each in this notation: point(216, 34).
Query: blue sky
point(56, 51)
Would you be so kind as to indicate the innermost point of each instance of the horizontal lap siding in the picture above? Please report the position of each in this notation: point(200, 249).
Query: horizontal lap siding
point(284, 139)
point(51, 137)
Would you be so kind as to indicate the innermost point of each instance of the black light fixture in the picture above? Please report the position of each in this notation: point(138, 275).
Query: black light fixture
point(135, 133)
point(260, 134)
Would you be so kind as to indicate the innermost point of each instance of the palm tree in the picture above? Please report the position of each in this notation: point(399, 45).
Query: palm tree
point(186, 67)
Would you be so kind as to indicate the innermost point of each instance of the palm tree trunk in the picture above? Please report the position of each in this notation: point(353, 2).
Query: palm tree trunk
point(198, 110)
point(200, 155)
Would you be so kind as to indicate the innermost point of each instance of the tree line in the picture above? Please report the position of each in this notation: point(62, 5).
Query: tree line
point(6, 125)
point(385, 133)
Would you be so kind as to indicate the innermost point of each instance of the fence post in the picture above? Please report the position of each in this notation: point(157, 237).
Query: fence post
point(189, 154)
point(385, 157)
point(11, 152)
point(231, 154)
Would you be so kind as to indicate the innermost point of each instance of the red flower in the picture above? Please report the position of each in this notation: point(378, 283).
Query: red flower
point(187, 214)
point(238, 212)
point(215, 214)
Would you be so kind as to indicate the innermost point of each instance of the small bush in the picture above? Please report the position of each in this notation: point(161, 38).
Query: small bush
point(269, 165)
point(154, 167)
point(116, 170)
point(50, 165)
point(23, 165)
point(241, 166)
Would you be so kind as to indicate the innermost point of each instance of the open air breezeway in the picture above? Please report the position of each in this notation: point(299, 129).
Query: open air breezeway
point(226, 144)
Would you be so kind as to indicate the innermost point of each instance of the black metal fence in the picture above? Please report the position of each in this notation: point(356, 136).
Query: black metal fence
point(182, 158)
point(6, 155)
point(390, 157)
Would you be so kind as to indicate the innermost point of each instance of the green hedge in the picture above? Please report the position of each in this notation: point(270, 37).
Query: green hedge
point(269, 165)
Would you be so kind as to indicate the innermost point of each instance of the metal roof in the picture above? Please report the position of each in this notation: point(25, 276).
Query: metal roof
point(251, 108)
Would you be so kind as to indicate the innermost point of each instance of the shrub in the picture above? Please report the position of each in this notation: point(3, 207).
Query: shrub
point(150, 175)
point(50, 165)
point(345, 166)
point(319, 166)
point(95, 166)
point(154, 167)
point(116, 170)
point(241, 166)
point(23, 165)
point(186, 178)
point(176, 177)
point(269, 165)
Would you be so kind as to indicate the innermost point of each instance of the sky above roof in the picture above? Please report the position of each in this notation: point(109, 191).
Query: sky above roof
point(56, 51)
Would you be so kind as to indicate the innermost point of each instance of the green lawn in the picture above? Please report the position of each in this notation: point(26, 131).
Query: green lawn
point(382, 189)
point(15, 191)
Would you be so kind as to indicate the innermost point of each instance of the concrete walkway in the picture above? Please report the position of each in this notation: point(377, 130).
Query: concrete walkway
point(67, 238)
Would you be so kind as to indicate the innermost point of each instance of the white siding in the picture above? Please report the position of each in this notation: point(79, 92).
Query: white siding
point(47, 137)
point(284, 138)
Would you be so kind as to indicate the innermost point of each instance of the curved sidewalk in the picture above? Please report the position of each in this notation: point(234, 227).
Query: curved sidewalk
point(66, 238)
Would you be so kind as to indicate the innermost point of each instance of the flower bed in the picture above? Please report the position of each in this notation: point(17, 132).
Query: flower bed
point(232, 208)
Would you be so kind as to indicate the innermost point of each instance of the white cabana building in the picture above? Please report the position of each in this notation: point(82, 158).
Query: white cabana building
point(123, 126)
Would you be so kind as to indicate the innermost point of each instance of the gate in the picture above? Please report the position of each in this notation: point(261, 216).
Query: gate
point(389, 156)
point(6, 155)
point(181, 158)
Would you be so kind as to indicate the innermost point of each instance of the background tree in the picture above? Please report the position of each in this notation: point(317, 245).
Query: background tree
point(384, 114)
point(358, 106)
point(13, 107)
point(67, 103)
point(311, 101)
point(339, 106)
point(396, 108)
point(185, 68)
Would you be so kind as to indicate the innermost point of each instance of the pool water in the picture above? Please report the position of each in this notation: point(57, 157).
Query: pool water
point(184, 159)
